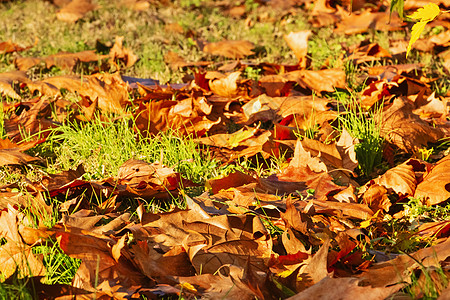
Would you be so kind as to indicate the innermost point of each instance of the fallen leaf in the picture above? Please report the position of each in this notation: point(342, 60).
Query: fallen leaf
point(64, 60)
point(435, 187)
point(230, 49)
point(406, 130)
point(298, 42)
point(15, 255)
point(7, 81)
point(346, 288)
point(75, 10)
point(118, 52)
point(225, 87)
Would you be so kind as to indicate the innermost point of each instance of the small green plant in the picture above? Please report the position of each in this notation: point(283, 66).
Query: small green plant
point(365, 126)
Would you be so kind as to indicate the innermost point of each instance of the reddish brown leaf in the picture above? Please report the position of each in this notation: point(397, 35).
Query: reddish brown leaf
point(186, 116)
point(9, 47)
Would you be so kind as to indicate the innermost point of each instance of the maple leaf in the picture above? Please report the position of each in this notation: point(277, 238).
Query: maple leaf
point(425, 14)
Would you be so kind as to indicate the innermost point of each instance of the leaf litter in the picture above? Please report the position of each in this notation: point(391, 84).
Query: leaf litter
point(315, 228)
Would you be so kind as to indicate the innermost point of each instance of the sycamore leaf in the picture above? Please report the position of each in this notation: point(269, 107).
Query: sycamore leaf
point(425, 14)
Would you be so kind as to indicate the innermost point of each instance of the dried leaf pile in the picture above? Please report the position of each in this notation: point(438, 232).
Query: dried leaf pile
point(315, 229)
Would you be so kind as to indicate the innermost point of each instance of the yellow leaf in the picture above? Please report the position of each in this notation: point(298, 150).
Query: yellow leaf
point(236, 138)
point(415, 34)
point(189, 287)
point(425, 14)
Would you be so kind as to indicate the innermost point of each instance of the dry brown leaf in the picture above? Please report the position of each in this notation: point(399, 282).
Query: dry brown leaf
point(230, 49)
point(64, 60)
point(401, 179)
point(186, 116)
point(397, 272)
point(75, 10)
point(406, 130)
point(243, 143)
point(368, 53)
point(264, 108)
point(9, 47)
point(367, 20)
point(149, 180)
point(302, 173)
point(109, 89)
point(15, 254)
point(320, 81)
point(376, 197)
point(346, 288)
point(34, 117)
point(98, 262)
point(435, 187)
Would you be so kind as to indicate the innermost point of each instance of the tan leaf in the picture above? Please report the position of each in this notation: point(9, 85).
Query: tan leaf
point(230, 49)
point(399, 269)
point(225, 87)
point(435, 186)
point(320, 81)
point(64, 60)
point(298, 42)
point(110, 90)
point(75, 10)
point(401, 179)
point(15, 254)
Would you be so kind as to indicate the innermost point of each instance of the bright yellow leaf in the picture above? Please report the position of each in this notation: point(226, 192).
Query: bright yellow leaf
point(425, 14)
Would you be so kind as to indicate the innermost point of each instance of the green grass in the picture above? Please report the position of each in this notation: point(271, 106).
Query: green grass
point(366, 127)
point(60, 268)
point(103, 146)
